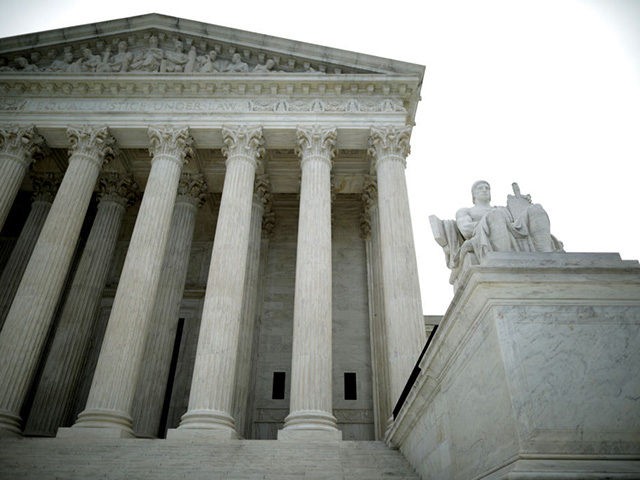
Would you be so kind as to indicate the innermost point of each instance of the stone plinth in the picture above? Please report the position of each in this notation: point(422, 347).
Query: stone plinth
point(532, 373)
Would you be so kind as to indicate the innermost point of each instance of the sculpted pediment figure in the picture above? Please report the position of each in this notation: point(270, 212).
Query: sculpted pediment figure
point(520, 226)
point(153, 44)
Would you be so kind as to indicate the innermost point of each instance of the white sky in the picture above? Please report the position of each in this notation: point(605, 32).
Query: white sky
point(542, 92)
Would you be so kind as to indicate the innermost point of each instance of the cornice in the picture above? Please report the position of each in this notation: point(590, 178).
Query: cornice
point(195, 84)
point(224, 37)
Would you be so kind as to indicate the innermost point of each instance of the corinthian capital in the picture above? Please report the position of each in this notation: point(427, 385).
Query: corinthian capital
point(245, 142)
point(262, 189)
point(316, 142)
point(170, 142)
point(369, 198)
point(21, 143)
point(45, 186)
point(192, 188)
point(390, 143)
point(93, 143)
point(120, 188)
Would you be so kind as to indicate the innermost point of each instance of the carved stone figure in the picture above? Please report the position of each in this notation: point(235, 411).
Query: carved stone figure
point(89, 62)
point(236, 65)
point(176, 59)
point(268, 66)
point(24, 65)
point(521, 226)
point(150, 60)
point(65, 64)
point(121, 61)
point(208, 63)
point(192, 57)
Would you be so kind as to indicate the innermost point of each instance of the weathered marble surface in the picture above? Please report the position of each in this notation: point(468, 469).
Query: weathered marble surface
point(520, 226)
point(533, 370)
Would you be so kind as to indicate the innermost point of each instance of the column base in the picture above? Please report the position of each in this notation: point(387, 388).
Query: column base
point(310, 425)
point(10, 424)
point(205, 423)
point(97, 422)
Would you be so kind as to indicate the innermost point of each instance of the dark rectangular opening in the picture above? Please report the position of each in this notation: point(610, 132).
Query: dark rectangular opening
point(278, 385)
point(350, 390)
point(162, 431)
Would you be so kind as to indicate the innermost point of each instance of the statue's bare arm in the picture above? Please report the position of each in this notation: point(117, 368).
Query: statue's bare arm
point(465, 223)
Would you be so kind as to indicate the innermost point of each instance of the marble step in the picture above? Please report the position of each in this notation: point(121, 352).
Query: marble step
point(119, 459)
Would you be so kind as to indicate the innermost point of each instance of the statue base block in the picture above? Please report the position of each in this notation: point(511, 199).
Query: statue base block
point(532, 373)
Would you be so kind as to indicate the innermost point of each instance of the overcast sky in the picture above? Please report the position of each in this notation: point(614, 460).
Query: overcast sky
point(542, 92)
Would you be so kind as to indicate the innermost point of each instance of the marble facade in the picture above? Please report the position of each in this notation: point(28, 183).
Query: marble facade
point(532, 373)
point(243, 256)
point(206, 242)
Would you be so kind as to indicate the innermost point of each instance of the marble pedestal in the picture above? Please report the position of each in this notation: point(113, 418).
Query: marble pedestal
point(532, 373)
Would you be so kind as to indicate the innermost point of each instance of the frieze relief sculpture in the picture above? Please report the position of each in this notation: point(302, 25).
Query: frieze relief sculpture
point(148, 55)
point(521, 226)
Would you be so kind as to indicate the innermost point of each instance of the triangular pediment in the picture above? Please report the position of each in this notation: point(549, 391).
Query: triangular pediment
point(161, 44)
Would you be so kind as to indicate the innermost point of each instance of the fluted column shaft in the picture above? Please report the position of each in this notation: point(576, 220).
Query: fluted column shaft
point(403, 308)
point(45, 187)
point(111, 396)
point(16, 148)
point(52, 401)
point(210, 402)
point(152, 382)
point(311, 375)
point(249, 306)
point(28, 320)
point(378, 336)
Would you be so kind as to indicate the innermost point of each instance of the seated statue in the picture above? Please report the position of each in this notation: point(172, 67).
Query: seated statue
point(521, 226)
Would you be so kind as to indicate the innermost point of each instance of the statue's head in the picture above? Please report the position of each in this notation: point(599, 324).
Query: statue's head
point(481, 190)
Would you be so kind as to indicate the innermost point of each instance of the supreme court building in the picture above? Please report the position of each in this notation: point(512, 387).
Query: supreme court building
point(206, 241)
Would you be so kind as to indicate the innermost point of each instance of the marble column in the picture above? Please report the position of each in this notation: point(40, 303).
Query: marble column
point(311, 374)
point(370, 228)
point(389, 147)
point(261, 197)
point(53, 398)
point(210, 401)
point(23, 336)
point(152, 382)
point(108, 409)
point(18, 145)
point(45, 186)
point(268, 224)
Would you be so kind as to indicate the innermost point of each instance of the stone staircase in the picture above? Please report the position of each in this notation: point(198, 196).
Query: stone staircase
point(133, 459)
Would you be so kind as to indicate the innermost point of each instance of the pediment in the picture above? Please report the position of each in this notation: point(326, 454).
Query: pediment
point(158, 44)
